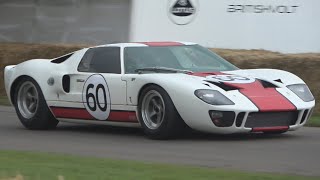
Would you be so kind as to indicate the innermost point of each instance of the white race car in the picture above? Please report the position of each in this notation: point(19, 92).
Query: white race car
point(161, 86)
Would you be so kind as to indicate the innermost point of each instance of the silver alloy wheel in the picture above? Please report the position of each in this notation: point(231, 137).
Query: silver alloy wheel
point(28, 99)
point(153, 109)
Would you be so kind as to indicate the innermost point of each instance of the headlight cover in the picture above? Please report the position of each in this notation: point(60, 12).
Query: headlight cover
point(212, 97)
point(302, 91)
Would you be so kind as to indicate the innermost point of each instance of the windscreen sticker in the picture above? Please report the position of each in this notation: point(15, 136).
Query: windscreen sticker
point(230, 79)
point(96, 97)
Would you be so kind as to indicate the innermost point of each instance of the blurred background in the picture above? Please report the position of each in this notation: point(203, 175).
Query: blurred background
point(289, 26)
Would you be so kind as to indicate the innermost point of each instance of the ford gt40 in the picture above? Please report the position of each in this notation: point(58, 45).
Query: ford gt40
point(163, 87)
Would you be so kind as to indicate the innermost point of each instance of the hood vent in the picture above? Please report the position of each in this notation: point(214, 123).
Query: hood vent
point(278, 80)
point(222, 86)
point(226, 87)
point(267, 84)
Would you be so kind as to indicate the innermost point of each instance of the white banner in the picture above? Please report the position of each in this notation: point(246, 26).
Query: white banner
point(290, 26)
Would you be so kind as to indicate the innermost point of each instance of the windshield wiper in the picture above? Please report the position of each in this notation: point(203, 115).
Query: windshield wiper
point(161, 69)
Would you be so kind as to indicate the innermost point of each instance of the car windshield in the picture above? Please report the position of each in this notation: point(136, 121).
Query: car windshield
point(188, 57)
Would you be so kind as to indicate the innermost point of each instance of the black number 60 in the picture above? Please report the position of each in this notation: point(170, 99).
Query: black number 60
point(95, 98)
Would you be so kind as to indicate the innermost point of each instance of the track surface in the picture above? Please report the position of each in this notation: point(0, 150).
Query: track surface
point(294, 153)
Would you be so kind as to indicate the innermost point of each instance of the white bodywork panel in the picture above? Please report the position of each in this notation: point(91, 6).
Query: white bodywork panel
point(124, 89)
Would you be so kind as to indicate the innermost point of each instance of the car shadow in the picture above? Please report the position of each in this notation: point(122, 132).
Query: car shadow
point(100, 129)
point(195, 135)
point(189, 135)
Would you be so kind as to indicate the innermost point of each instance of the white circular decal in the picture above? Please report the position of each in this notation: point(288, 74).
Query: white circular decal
point(230, 79)
point(96, 97)
point(182, 12)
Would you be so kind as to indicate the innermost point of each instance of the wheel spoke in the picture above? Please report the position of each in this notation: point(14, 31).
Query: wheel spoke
point(159, 117)
point(27, 100)
point(29, 95)
point(152, 114)
point(156, 104)
point(153, 109)
point(32, 106)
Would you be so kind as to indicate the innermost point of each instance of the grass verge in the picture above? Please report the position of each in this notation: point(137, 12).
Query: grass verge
point(53, 166)
point(4, 101)
point(314, 121)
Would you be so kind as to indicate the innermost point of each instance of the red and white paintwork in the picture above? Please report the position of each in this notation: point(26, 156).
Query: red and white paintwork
point(124, 90)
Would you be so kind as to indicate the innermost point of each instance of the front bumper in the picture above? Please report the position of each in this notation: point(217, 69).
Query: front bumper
point(195, 113)
point(247, 122)
point(271, 121)
point(247, 117)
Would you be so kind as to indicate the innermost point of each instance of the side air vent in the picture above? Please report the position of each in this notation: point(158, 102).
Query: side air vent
point(61, 59)
point(267, 84)
point(66, 83)
point(222, 86)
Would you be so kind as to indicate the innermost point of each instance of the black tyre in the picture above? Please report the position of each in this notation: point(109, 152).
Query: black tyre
point(158, 115)
point(31, 106)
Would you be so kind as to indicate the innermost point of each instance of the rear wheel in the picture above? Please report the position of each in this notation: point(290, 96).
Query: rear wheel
point(158, 115)
point(31, 106)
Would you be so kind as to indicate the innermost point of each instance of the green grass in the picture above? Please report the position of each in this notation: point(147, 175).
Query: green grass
point(314, 121)
point(50, 166)
point(4, 101)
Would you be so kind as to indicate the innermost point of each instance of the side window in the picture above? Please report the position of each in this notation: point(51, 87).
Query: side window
point(101, 60)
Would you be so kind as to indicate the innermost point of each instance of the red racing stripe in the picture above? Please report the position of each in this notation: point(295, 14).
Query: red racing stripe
point(266, 99)
point(270, 129)
point(123, 116)
point(71, 113)
point(81, 113)
point(162, 43)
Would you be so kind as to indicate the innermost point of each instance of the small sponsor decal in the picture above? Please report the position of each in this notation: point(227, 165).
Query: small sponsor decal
point(262, 9)
point(230, 79)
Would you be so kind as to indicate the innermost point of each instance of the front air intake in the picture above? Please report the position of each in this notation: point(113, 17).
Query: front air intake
point(239, 119)
point(304, 116)
point(222, 118)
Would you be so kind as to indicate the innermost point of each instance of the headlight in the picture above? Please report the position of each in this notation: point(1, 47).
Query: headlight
point(302, 91)
point(213, 97)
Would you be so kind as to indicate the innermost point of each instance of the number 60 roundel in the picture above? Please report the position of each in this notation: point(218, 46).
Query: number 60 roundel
point(96, 97)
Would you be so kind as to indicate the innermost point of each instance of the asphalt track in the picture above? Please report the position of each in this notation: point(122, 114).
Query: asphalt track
point(292, 153)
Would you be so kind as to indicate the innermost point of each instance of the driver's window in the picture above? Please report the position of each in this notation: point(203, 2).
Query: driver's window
point(101, 60)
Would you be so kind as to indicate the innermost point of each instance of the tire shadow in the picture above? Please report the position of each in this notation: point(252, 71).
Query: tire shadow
point(99, 129)
point(199, 136)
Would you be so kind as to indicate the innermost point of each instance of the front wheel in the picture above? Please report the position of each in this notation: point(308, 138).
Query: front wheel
point(31, 106)
point(158, 115)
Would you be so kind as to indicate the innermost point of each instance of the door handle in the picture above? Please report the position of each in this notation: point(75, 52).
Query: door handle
point(80, 80)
